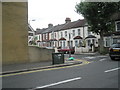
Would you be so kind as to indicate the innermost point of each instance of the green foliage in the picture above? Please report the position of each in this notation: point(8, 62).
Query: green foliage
point(98, 15)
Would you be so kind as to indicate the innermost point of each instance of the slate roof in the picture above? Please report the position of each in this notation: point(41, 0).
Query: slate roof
point(39, 31)
point(75, 24)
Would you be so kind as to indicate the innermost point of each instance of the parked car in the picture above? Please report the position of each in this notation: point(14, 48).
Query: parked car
point(114, 51)
point(67, 50)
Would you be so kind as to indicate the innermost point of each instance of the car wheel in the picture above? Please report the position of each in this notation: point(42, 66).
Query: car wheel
point(113, 58)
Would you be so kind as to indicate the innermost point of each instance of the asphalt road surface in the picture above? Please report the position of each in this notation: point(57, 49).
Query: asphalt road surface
point(101, 72)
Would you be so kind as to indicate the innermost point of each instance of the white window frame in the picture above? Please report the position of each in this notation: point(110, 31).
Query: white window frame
point(61, 34)
point(109, 42)
point(46, 35)
point(79, 33)
point(73, 33)
point(65, 33)
point(116, 25)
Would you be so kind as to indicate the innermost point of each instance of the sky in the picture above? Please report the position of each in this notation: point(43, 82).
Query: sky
point(43, 12)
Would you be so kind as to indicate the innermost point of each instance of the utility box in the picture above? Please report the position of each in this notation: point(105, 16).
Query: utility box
point(57, 58)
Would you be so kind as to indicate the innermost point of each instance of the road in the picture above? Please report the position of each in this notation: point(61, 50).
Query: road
point(101, 72)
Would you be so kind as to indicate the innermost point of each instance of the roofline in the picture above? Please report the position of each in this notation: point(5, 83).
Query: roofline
point(31, 27)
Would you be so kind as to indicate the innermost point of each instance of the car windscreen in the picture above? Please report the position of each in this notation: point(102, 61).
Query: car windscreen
point(115, 46)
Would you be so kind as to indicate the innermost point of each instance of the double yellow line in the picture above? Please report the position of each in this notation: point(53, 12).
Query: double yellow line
point(27, 72)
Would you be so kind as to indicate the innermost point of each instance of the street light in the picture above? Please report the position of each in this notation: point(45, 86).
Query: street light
point(69, 46)
point(70, 58)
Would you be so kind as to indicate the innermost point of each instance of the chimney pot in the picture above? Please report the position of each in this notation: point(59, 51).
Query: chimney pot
point(50, 25)
point(67, 20)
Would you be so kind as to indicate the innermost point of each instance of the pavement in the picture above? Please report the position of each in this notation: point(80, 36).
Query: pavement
point(15, 68)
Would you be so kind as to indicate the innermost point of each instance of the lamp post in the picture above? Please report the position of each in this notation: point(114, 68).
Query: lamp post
point(69, 47)
point(30, 26)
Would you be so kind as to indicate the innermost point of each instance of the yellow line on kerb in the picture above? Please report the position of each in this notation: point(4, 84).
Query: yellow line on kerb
point(83, 63)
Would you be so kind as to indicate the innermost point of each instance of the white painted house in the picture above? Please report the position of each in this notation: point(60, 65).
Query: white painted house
point(113, 37)
point(75, 34)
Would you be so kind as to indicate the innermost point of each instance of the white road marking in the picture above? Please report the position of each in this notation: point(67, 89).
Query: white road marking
point(53, 84)
point(90, 57)
point(102, 59)
point(102, 56)
point(112, 69)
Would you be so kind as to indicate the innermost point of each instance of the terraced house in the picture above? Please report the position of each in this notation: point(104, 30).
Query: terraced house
point(113, 37)
point(74, 34)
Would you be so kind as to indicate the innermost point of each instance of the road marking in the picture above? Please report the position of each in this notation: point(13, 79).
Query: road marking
point(90, 57)
point(61, 82)
point(112, 70)
point(102, 59)
point(13, 74)
point(102, 56)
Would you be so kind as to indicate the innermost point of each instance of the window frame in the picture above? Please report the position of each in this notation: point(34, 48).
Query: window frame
point(79, 33)
point(117, 25)
point(73, 33)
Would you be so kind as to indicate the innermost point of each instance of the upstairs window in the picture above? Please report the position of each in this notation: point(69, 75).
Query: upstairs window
point(61, 34)
point(73, 32)
point(118, 26)
point(55, 35)
point(89, 33)
point(30, 34)
point(65, 33)
point(107, 42)
point(46, 35)
point(78, 32)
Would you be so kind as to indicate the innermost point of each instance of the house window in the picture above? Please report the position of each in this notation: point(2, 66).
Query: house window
point(116, 40)
point(30, 34)
point(118, 26)
point(71, 44)
point(46, 35)
point(55, 35)
point(89, 42)
point(65, 33)
point(89, 33)
point(69, 36)
point(76, 43)
point(80, 43)
point(39, 37)
point(63, 43)
point(78, 32)
point(107, 41)
point(52, 35)
point(61, 34)
point(73, 32)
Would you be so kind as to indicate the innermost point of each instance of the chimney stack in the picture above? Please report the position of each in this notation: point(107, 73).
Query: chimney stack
point(50, 25)
point(67, 20)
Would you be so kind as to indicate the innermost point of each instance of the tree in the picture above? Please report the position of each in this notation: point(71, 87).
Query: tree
point(98, 16)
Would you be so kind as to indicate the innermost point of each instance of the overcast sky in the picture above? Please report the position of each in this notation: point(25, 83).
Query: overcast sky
point(51, 11)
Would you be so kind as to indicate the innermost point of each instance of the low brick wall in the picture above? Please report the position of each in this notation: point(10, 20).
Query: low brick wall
point(37, 54)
